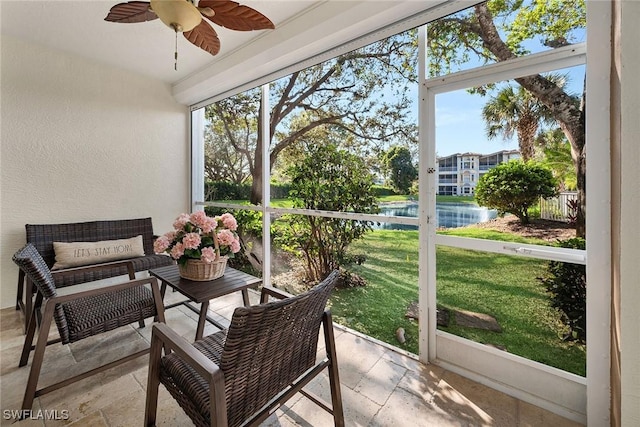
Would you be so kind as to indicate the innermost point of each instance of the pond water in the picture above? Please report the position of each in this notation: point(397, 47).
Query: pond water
point(449, 215)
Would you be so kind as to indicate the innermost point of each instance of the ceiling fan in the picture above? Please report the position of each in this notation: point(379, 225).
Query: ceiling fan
point(185, 16)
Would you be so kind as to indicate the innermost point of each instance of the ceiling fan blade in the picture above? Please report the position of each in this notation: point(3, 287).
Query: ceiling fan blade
point(204, 37)
point(234, 16)
point(131, 12)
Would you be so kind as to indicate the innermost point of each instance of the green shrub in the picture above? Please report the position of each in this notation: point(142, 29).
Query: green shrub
point(250, 232)
point(223, 190)
point(567, 285)
point(330, 179)
point(534, 212)
point(398, 166)
point(515, 186)
point(381, 190)
point(280, 190)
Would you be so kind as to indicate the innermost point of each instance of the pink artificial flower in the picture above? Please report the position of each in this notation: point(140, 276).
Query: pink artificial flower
point(229, 221)
point(191, 241)
point(170, 235)
point(181, 221)
point(208, 255)
point(177, 251)
point(161, 244)
point(225, 237)
point(199, 219)
point(209, 225)
point(235, 246)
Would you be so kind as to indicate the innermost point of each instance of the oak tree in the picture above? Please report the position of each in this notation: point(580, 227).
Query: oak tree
point(496, 31)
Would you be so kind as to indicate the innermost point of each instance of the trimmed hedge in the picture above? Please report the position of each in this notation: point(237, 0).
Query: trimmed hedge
point(380, 190)
point(223, 190)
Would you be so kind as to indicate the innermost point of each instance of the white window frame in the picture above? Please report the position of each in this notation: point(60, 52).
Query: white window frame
point(578, 398)
point(596, 406)
point(536, 383)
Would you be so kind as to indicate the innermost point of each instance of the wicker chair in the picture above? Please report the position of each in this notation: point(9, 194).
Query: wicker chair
point(80, 315)
point(240, 376)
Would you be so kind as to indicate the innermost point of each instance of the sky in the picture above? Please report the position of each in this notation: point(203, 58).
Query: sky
point(459, 124)
point(460, 127)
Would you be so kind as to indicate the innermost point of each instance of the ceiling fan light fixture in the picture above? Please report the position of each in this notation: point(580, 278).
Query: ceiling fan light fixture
point(180, 15)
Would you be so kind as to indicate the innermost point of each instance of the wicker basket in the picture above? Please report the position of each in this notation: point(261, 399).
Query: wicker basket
point(200, 271)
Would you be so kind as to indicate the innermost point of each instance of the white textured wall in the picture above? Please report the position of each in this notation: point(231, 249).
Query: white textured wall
point(81, 142)
point(630, 208)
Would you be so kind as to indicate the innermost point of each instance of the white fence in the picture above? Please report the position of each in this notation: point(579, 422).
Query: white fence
point(557, 208)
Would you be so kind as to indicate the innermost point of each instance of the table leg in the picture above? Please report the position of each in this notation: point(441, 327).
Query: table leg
point(163, 288)
point(245, 298)
point(201, 320)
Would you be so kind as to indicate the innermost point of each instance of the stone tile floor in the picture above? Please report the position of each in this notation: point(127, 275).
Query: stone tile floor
point(380, 387)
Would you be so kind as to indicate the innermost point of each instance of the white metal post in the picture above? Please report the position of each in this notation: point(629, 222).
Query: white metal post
point(197, 159)
point(426, 200)
point(266, 187)
point(598, 219)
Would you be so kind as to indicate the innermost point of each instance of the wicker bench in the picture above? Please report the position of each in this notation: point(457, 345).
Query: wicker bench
point(42, 237)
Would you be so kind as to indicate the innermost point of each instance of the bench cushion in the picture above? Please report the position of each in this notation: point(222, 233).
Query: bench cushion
point(74, 254)
point(42, 236)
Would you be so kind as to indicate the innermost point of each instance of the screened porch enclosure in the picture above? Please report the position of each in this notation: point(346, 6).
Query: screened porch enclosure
point(248, 141)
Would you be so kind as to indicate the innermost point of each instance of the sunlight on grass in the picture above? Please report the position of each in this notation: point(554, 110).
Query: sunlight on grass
point(397, 198)
point(456, 199)
point(483, 233)
point(391, 269)
point(505, 287)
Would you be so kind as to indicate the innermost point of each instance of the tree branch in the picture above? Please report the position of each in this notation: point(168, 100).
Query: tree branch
point(555, 98)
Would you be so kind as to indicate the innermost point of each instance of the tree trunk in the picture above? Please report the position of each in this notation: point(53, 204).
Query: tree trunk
point(581, 171)
point(569, 115)
point(256, 169)
point(256, 186)
point(527, 129)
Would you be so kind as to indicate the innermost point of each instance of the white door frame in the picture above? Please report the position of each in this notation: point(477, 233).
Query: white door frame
point(569, 395)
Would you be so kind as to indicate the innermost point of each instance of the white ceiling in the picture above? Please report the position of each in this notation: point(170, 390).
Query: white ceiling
point(303, 28)
point(147, 48)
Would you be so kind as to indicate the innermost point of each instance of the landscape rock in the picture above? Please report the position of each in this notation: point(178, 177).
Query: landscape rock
point(471, 319)
point(465, 318)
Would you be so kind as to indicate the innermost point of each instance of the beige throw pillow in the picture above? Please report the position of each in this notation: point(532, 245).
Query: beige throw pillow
point(74, 254)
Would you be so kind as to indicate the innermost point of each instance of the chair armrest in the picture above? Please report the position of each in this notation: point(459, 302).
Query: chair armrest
point(107, 289)
point(198, 361)
point(268, 291)
point(101, 266)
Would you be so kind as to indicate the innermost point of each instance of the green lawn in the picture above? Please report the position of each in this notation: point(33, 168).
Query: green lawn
point(502, 286)
point(456, 199)
point(396, 198)
point(488, 234)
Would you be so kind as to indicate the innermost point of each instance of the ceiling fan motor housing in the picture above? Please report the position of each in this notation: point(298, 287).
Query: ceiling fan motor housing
point(181, 15)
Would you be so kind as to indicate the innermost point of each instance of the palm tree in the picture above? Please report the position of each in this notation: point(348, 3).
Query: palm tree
point(516, 111)
point(557, 157)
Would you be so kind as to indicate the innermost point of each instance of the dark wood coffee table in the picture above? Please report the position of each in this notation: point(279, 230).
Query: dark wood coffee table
point(201, 292)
